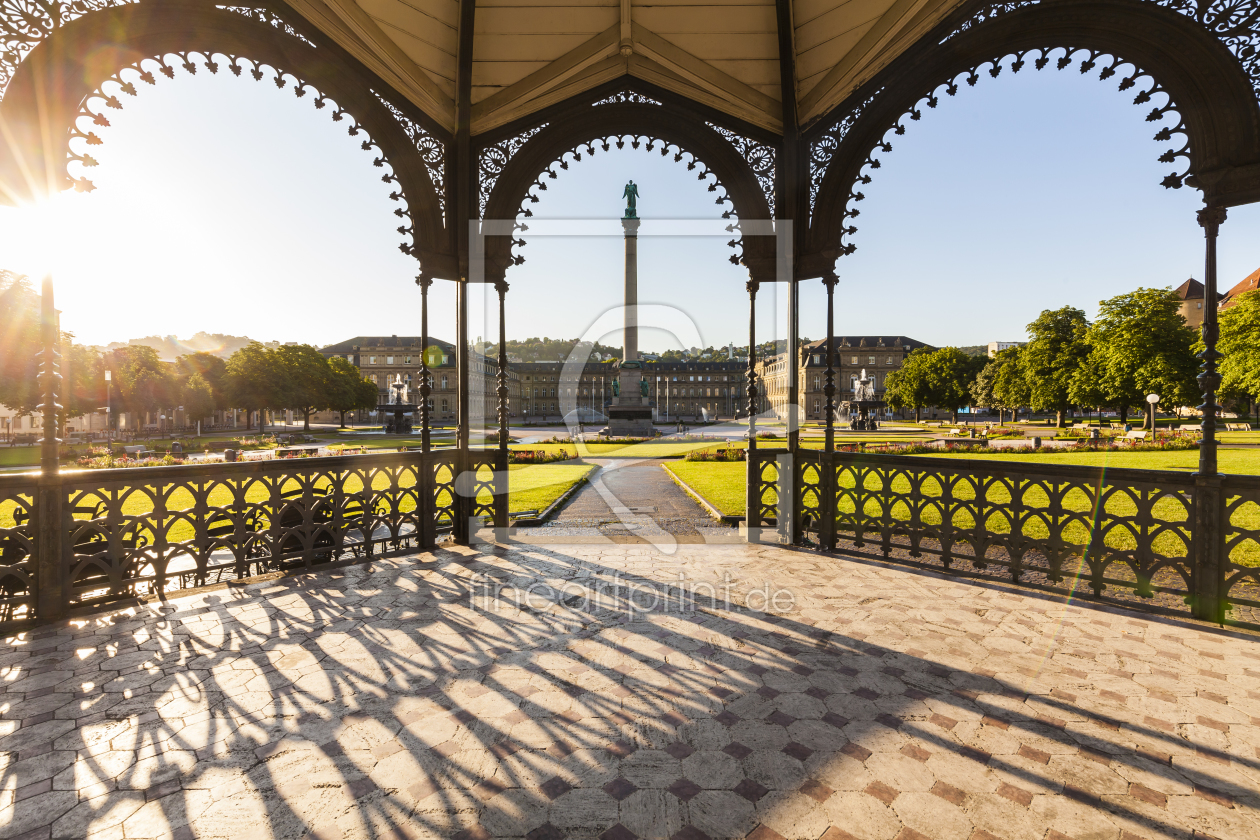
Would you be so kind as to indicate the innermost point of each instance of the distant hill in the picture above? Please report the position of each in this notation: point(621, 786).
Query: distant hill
point(169, 347)
point(976, 349)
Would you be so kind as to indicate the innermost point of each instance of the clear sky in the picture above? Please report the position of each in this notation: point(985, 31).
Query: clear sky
point(229, 206)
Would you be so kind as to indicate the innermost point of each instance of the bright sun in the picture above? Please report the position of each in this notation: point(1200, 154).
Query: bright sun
point(38, 239)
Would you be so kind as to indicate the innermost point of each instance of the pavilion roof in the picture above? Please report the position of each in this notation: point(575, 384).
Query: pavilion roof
point(527, 54)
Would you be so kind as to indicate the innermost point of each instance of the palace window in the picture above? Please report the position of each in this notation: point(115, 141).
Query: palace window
point(870, 360)
point(371, 360)
point(444, 388)
point(889, 361)
point(389, 360)
point(853, 360)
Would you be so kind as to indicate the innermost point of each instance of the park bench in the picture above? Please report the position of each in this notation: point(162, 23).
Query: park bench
point(138, 450)
point(1136, 435)
point(1191, 427)
point(1238, 427)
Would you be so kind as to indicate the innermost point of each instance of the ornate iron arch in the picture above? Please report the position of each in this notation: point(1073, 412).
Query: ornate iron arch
point(739, 169)
point(1216, 142)
point(96, 60)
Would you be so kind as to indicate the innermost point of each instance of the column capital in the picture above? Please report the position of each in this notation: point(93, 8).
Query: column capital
point(501, 286)
point(630, 226)
point(830, 279)
point(1211, 217)
point(424, 281)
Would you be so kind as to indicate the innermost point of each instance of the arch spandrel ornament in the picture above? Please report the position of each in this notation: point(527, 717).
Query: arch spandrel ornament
point(80, 56)
point(514, 169)
point(1214, 147)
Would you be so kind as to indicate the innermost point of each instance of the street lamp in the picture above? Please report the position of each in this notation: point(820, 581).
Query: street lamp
point(108, 405)
point(1152, 400)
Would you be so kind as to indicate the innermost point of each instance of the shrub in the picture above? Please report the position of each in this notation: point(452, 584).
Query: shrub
point(535, 456)
point(718, 455)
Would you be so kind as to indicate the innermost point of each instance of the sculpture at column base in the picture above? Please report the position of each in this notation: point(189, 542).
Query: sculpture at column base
point(630, 415)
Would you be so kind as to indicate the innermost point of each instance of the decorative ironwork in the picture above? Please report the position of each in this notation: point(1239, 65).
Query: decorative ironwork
point(1126, 533)
point(24, 24)
point(1235, 23)
point(270, 18)
point(494, 159)
point(1241, 572)
point(989, 12)
point(824, 148)
point(481, 484)
point(809, 491)
point(626, 97)
point(765, 472)
point(760, 158)
point(147, 71)
point(432, 150)
point(635, 141)
point(17, 546)
point(148, 530)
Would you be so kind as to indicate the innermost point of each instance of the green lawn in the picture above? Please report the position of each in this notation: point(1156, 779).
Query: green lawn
point(19, 456)
point(1235, 461)
point(720, 483)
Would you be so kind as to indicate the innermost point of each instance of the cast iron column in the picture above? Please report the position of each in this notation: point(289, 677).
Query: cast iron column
point(829, 389)
point(424, 282)
point(464, 216)
point(50, 593)
point(501, 455)
point(752, 497)
point(1209, 496)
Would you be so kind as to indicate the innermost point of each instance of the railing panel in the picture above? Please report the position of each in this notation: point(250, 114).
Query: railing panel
point(482, 484)
point(17, 546)
point(1116, 534)
point(764, 474)
point(808, 464)
point(137, 531)
point(1242, 548)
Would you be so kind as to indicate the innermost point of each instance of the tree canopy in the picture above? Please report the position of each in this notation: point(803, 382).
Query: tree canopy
point(1058, 347)
point(1139, 345)
point(910, 386)
point(1239, 343)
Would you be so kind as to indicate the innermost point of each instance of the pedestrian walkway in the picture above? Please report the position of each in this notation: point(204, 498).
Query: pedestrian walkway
point(634, 502)
point(618, 692)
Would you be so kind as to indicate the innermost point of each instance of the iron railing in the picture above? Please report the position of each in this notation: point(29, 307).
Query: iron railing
point(1119, 535)
point(123, 533)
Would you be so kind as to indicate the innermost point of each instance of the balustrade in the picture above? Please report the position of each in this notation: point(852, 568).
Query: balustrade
point(1109, 534)
point(131, 532)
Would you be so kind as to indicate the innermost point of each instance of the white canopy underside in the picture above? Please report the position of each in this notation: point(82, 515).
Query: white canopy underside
point(529, 54)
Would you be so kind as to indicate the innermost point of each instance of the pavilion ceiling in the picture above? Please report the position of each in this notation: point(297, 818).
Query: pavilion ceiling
point(529, 54)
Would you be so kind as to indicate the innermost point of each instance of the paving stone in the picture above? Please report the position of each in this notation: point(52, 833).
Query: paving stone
point(879, 707)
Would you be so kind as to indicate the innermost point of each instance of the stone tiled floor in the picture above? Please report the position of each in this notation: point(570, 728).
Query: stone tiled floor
point(402, 699)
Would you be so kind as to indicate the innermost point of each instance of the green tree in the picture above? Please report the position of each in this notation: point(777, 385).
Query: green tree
point(1057, 349)
point(1010, 385)
point(251, 380)
point(1239, 342)
point(910, 386)
point(950, 374)
point(19, 343)
point(143, 383)
point(1139, 345)
point(212, 370)
point(198, 398)
point(305, 379)
point(349, 390)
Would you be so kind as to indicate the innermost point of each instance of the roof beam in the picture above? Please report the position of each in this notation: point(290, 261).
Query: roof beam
point(364, 38)
point(519, 98)
point(857, 65)
point(735, 96)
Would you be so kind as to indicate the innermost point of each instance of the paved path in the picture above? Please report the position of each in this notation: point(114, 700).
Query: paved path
point(631, 502)
point(401, 700)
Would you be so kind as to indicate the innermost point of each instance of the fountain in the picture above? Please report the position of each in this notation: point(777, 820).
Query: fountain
point(859, 410)
point(396, 411)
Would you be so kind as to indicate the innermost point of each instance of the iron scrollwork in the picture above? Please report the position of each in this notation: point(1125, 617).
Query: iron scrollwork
point(646, 142)
point(494, 159)
point(24, 24)
point(432, 150)
point(824, 148)
point(270, 18)
point(1235, 23)
point(626, 97)
point(147, 70)
point(760, 158)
